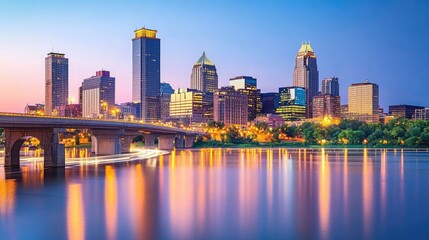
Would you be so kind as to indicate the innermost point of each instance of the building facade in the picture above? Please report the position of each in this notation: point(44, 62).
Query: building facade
point(272, 120)
point(230, 106)
point(165, 97)
point(363, 102)
point(204, 75)
point(421, 114)
point(403, 110)
point(306, 75)
point(270, 102)
point(292, 104)
point(56, 83)
point(247, 85)
point(98, 95)
point(330, 86)
point(36, 109)
point(326, 105)
point(190, 106)
point(147, 74)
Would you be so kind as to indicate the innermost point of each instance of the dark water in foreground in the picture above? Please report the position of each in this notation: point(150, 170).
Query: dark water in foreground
point(223, 194)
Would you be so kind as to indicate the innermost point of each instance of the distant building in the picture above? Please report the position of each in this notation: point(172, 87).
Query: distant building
point(189, 106)
point(330, 86)
point(165, 98)
point(363, 101)
point(247, 85)
point(36, 109)
point(292, 103)
point(204, 75)
point(147, 74)
point(272, 120)
point(403, 110)
point(306, 75)
point(326, 105)
point(270, 102)
point(128, 110)
point(56, 83)
point(421, 114)
point(230, 106)
point(344, 111)
point(98, 95)
point(73, 110)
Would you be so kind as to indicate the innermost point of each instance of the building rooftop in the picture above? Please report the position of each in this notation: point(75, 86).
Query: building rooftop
point(145, 33)
point(56, 54)
point(305, 48)
point(203, 60)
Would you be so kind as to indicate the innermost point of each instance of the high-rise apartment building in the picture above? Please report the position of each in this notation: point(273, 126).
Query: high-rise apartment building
point(147, 74)
point(330, 86)
point(292, 104)
point(98, 95)
point(230, 106)
point(363, 101)
point(270, 102)
point(56, 83)
point(204, 76)
point(247, 86)
point(326, 105)
point(306, 75)
point(190, 106)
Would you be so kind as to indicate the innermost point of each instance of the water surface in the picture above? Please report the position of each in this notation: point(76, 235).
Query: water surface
point(222, 194)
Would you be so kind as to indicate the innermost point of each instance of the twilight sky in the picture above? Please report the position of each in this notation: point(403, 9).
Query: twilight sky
point(384, 41)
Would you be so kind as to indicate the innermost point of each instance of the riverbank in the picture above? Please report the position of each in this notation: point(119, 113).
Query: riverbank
point(216, 144)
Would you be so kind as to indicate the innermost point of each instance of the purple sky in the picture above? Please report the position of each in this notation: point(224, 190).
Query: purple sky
point(384, 42)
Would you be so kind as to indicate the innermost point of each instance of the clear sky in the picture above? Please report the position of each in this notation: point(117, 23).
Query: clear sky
point(384, 41)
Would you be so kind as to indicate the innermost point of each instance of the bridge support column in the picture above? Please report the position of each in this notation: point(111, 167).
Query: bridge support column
point(107, 142)
point(126, 141)
point(53, 152)
point(166, 142)
point(149, 140)
point(189, 141)
point(179, 141)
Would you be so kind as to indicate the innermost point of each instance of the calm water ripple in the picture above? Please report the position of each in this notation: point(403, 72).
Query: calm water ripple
point(222, 194)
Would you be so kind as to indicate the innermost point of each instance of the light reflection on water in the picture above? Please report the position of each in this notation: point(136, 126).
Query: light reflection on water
point(222, 193)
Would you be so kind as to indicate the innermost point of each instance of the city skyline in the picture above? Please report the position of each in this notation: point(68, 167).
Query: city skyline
point(353, 34)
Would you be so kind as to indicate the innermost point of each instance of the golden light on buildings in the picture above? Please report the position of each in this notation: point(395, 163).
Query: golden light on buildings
point(145, 33)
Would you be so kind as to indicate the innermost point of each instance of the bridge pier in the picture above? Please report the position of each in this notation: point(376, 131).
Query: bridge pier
point(53, 152)
point(149, 140)
point(106, 142)
point(166, 142)
point(189, 141)
point(126, 141)
point(179, 141)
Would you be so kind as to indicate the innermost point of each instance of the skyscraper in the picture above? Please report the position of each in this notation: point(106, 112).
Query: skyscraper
point(306, 75)
point(98, 95)
point(330, 86)
point(247, 85)
point(363, 101)
point(146, 74)
point(230, 106)
point(189, 106)
point(56, 83)
point(326, 105)
point(292, 103)
point(204, 75)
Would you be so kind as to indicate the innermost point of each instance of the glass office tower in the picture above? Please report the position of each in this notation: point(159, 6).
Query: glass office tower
point(56, 83)
point(292, 105)
point(204, 76)
point(146, 74)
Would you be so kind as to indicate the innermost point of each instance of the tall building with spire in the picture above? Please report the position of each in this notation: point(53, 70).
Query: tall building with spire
point(147, 74)
point(306, 75)
point(204, 76)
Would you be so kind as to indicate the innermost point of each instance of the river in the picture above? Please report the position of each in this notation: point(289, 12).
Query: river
point(221, 194)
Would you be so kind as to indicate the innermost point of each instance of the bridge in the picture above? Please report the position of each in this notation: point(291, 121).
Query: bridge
point(107, 136)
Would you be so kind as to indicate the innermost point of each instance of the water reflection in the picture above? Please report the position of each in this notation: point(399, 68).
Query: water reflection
point(75, 212)
point(223, 193)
